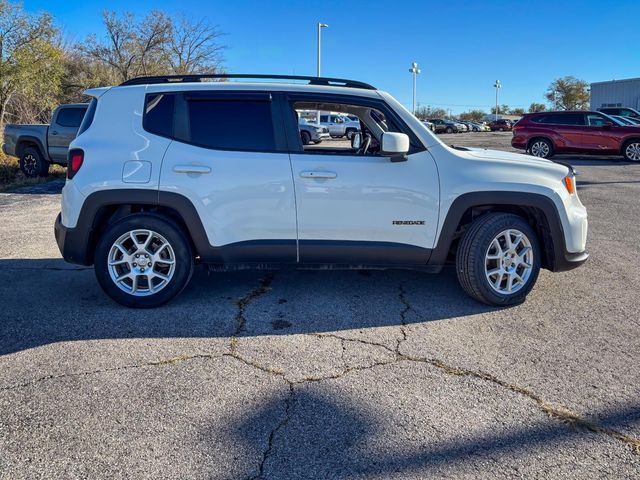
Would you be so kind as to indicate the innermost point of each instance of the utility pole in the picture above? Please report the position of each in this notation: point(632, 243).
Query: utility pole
point(414, 72)
point(498, 87)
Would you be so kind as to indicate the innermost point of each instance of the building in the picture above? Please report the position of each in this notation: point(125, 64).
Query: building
point(616, 93)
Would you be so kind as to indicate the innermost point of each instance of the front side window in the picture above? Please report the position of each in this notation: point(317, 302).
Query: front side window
point(70, 117)
point(240, 124)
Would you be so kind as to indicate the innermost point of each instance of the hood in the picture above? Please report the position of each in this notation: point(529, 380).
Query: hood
point(512, 157)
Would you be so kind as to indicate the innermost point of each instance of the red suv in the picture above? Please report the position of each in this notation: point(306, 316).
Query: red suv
point(500, 125)
point(547, 133)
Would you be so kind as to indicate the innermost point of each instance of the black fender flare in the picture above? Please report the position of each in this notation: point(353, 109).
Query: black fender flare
point(31, 139)
point(559, 258)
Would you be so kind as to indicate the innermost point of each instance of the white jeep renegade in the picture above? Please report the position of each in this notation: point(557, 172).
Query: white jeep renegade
point(169, 171)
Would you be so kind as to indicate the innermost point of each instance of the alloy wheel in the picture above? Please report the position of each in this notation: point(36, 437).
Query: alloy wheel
point(509, 261)
point(141, 262)
point(540, 149)
point(30, 164)
point(632, 151)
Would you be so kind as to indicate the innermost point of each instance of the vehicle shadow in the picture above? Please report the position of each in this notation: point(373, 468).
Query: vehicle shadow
point(49, 187)
point(323, 433)
point(47, 300)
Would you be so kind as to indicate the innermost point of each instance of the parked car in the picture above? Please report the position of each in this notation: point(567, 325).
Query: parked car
point(38, 146)
point(501, 125)
point(339, 125)
point(312, 132)
point(444, 126)
point(626, 120)
point(479, 127)
point(429, 125)
point(462, 126)
point(547, 133)
point(150, 190)
point(622, 111)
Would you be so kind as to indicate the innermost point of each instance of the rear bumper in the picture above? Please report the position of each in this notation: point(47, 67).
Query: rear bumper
point(72, 243)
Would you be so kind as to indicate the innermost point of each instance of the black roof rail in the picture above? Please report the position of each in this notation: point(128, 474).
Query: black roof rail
point(196, 77)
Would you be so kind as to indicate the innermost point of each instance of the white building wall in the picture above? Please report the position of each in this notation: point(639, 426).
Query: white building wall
point(623, 93)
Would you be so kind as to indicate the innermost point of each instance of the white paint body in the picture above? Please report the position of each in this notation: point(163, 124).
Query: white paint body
point(242, 196)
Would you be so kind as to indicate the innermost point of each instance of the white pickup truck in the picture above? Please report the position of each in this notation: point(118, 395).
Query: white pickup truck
point(38, 146)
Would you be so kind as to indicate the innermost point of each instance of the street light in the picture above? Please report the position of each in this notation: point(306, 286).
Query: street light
point(320, 27)
point(414, 71)
point(498, 87)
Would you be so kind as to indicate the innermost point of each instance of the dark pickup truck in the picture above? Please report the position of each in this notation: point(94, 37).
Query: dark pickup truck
point(38, 146)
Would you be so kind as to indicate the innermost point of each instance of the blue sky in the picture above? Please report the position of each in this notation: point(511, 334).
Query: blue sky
point(461, 46)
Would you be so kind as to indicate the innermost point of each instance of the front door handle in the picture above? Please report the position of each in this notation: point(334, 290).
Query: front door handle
point(191, 169)
point(316, 174)
point(54, 133)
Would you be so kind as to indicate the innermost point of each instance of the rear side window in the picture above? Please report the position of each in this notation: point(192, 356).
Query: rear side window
point(70, 117)
point(231, 124)
point(158, 114)
point(87, 120)
point(561, 119)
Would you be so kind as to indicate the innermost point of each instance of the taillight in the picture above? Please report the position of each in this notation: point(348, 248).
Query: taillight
point(74, 162)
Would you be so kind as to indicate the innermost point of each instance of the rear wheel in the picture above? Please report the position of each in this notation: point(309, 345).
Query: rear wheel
point(449, 130)
point(306, 138)
point(143, 260)
point(498, 260)
point(541, 147)
point(32, 163)
point(350, 132)
point(631, 151)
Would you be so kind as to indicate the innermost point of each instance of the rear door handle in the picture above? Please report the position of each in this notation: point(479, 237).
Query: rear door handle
point(54, 133)
point(316, 174)
point(191, 169)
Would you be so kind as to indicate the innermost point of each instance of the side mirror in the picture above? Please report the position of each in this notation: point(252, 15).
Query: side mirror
point(395, 145)
point(356, 141)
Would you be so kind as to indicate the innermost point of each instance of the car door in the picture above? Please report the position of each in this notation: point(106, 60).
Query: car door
point(62, 130)
point(600, 134)
point(229, 158)
point(363, 209)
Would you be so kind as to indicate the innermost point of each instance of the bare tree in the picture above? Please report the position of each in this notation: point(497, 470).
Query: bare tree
point(194, 47)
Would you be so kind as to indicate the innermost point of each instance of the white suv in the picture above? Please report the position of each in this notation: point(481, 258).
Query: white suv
point(168, 171)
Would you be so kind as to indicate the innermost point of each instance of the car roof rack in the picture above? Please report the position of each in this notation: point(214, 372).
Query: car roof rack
point(196, 77)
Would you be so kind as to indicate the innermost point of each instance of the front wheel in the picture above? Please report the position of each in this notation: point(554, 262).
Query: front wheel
point(350, 132)
point(305, 137)
point(498, 259)
point(449, 130)
point(143, 260)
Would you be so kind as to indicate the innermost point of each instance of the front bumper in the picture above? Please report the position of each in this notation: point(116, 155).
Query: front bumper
point(566, 261)
point(72, 245)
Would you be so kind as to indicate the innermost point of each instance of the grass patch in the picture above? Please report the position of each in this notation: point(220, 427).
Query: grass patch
point(11, 177)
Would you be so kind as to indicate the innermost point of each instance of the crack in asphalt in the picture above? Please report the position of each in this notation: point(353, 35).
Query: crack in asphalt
point(165, 361)
point(243, 303)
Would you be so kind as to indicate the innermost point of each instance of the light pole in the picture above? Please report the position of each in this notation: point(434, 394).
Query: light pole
point(414, 71)
point(320, 27)
point(498, 87)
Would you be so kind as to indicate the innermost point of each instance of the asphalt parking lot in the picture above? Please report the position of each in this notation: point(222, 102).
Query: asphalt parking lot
point(314, 375)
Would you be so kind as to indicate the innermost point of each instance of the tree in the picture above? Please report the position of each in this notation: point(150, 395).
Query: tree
point(427, 112)
point(568, 93)
point(517, 111)
point(153, 46)
point(30, 61)
point(537, 107)
point(193, 48)
point(503, 109)
point(473, 115)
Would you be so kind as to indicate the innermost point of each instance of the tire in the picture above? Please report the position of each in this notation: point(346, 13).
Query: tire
point(449, 130)
point(474, 265)
point(631, 150)
point(306, 138)
point(350, 132)
point(540, 147)
point(162, 230)
point(33, 164)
